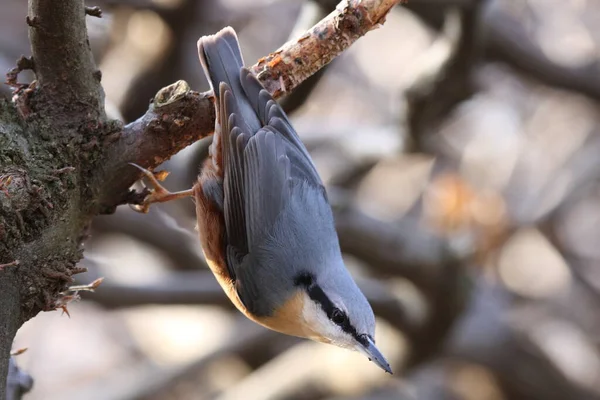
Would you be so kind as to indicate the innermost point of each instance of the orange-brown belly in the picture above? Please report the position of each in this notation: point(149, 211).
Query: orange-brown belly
point(288, 317)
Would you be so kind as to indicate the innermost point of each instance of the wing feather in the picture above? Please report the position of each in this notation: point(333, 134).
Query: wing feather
point(263, 161)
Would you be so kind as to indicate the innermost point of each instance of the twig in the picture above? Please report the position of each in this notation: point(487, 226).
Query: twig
point(10, 264)
point(180, 17)
point(18, 352)
point(93, 11)
point(88, 287)
point(179, 116)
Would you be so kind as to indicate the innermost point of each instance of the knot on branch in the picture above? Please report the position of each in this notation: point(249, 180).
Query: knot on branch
point(15, 190)
point(171, 94)
point(93, 11)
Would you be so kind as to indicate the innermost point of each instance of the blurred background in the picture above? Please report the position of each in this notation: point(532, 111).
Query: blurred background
point(460, 147)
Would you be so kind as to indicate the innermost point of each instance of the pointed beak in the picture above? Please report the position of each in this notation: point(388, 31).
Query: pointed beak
point(370, 350)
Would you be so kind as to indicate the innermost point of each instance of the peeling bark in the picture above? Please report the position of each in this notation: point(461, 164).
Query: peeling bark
point(283, 70)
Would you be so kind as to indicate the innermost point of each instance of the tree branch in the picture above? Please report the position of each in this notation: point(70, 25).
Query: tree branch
point(201, 288)
point(311, 12)
point(283, 70)
point(402, 249)
point(64, 66)
point(47, 135)
point(159, 230)
point(177, 288)
point(179, 116)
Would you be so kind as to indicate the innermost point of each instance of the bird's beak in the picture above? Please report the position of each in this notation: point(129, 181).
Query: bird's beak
point(370, 350)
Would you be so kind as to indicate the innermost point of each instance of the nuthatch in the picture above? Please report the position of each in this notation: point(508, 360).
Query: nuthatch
point(265, 223)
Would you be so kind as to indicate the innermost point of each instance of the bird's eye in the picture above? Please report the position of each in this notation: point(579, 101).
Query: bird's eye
point(338, 316)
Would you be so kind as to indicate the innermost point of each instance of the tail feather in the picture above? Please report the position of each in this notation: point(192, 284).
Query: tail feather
point(222, 61)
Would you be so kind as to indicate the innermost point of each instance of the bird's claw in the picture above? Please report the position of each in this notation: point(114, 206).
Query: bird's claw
point(157, 194)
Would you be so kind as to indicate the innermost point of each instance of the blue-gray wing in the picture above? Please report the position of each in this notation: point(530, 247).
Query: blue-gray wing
point(259, 166)
point(263, 156)
point(274, 157)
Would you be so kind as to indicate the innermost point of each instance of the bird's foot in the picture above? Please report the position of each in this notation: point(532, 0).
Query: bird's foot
point(158, 194)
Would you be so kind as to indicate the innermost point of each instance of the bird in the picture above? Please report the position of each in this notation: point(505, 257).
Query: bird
point(265, 223)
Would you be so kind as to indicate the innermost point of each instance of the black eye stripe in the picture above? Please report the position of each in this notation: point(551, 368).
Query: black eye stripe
point(304, 279)
point(338, 316)
point(318, 295)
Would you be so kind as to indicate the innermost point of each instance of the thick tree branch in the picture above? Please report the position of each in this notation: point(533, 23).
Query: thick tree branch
point(49, 138)
point(176, 118)
point(179, 116)
point(64, 66)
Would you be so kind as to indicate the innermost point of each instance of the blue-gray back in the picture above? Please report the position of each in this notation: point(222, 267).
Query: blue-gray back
point(277, 218)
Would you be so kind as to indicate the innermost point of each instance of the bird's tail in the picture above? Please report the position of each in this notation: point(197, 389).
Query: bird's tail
point(221, 58)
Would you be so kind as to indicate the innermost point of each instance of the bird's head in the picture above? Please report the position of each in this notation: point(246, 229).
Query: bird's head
point(330, 308)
